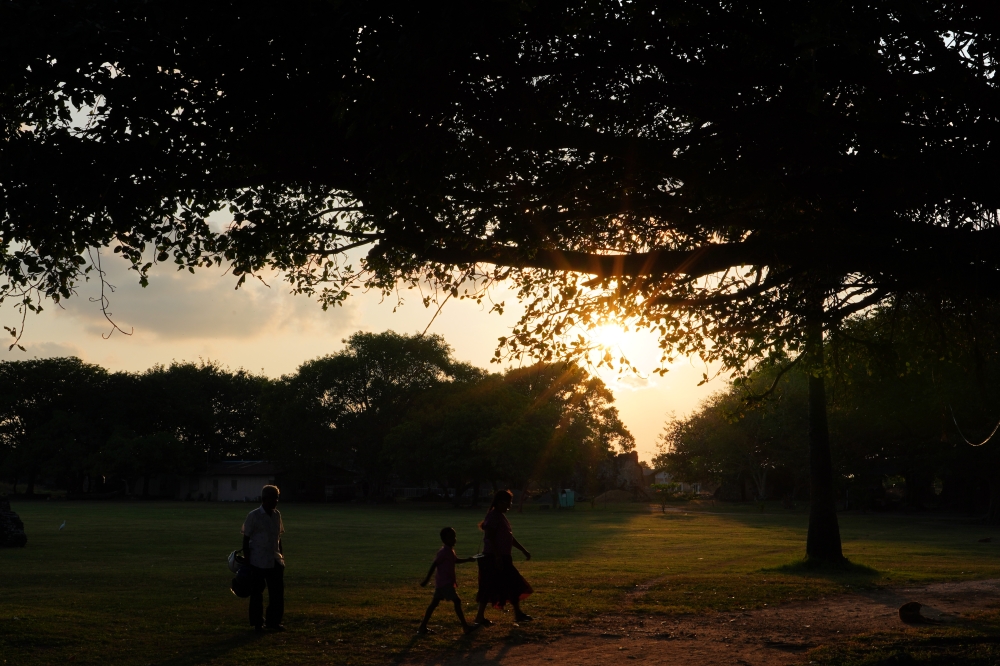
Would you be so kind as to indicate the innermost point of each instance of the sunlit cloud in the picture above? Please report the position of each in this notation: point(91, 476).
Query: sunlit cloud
point(633, 382)
point(180, 306)
point(184, 317)
point(42, 350)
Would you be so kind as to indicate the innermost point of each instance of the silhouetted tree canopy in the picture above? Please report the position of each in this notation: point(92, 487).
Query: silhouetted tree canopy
point(729, 444)
point(913, 396)
point(71, 422)
point(387, 409)
point(702, 167)
point(50, 416)
point(543, 426)
point(737, 177)
point(339, 408)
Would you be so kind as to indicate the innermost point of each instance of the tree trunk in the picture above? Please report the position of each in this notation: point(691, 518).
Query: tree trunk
point(524, 497)
point(823, 540)
point(919, 490)
point(30, 490)
point(761, 481)
point(459, 492)
point(993, 514)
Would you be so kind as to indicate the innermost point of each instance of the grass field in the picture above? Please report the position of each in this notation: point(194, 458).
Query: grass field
point(147, 583)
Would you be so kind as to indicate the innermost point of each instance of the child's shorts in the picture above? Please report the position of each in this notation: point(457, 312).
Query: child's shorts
point(448, 593)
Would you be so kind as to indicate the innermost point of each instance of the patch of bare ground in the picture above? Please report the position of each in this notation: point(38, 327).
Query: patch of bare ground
point(775, 636)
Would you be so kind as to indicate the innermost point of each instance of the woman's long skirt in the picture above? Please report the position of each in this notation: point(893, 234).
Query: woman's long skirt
point(500, 583)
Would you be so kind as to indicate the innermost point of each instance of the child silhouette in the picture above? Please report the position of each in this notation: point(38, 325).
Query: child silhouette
point(444, 581)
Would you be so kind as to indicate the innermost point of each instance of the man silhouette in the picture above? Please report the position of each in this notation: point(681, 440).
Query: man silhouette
point(262, 532)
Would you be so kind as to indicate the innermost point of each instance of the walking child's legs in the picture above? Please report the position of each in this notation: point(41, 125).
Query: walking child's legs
point(427, 615)
point(458, 611)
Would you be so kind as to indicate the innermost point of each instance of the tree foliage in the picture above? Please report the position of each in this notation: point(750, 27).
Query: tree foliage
point(385, 410)
point(47, 410)
point(543, 426)
point(739, 178)
point(339, 408)
point(707, 170)
point(73, 423)
point(913, 396)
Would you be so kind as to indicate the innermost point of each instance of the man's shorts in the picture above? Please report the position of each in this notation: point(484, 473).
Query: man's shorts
point(448, 593)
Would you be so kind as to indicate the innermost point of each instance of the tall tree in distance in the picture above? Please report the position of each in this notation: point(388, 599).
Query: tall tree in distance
point(535, 427)
point(47, 424)
point(343, 405)
point(920, 387)
point(568, 429)
point(739, 178)
point(447, 433)
point(181, 417)
point(730, 440)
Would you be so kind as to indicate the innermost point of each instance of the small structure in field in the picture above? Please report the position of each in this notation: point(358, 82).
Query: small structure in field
point(234, 481)
point(615, 495)
point(661, 478)
point(624, 471)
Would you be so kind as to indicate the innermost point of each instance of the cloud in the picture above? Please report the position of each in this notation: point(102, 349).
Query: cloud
point(40, 350)
point(178, 305)
point(633, 382)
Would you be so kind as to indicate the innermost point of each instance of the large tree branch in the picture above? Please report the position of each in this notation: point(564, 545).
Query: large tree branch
point(842, 313)
point(755, 289)
point(345, 248)
point(698, 262)
point(759, 398)
point(550, 135)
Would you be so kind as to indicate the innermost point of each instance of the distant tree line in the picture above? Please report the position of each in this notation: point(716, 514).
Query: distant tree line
point(913, 397)
point(76, 426)
point(388, 409)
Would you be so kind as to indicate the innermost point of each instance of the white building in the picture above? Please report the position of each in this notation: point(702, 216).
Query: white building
point(235, 481)
point(663, 478)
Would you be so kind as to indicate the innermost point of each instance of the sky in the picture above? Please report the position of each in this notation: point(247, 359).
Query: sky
point(264, 328)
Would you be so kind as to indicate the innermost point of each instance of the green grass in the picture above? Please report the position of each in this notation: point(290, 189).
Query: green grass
point(146, 583)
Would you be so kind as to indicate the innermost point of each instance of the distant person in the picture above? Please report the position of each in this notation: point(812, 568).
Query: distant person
point(499, 580)
point(443, 568)
point(262, 532)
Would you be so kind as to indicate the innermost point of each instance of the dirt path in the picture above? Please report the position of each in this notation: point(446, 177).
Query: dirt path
point(768, 637)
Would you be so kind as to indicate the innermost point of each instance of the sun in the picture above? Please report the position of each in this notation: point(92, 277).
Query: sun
point(607, 336)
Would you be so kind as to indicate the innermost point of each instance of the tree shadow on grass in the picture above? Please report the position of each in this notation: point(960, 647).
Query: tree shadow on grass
point(676, 516)
point(844, 571)
point(204, 653)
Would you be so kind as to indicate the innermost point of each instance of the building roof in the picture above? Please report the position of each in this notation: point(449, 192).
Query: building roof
point(242, 468)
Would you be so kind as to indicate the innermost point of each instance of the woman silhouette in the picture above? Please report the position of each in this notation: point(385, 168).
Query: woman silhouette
point(499, 580)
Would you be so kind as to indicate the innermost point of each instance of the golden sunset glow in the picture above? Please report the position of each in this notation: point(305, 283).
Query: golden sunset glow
point(609, 336)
